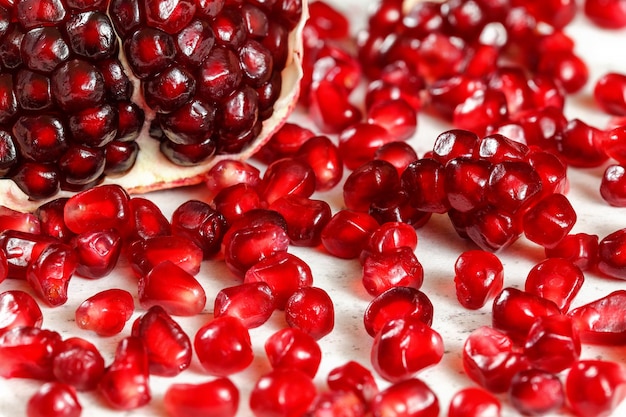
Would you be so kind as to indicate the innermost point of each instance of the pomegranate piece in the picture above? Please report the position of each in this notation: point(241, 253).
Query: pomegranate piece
point(106, 312)
point(359, 142)
point(536, 392)
point(397, 303)
point(28, 352)
point(18, 309)
point(555, 279)
point(581, 145)
point(200, 223)
point(474, 402)
point(602, 321)
point(147, 220)
point(609, 14)
point(551, 170)
point(347, 233)
point(282, 392)
point(478, 277)
point(549, 220)
point(54, 399)
point(173, 288)
point(284, 143)
point(293, 348)
point(353, 377)
point(552, 344)
point(483, 108)
point(492, 229)
point(78, 363)
point(595, 387)
point(424, 181)
point(235, 200)
point(311, 310)
point(51, 221)
point(328, 22)
point(97, 252)
point(613, 185)
point(49, 275)
point(515, 311)
point(404, 347)
point(610, 259)
point(465, 181)
point(382, 271)
point(580, 248)
point(14, 220)
point(390, 237)
point(305, 218)
point(399, 154)
point(219, 398)
point(330, 107)
point(513, 186)
point(370, 183)
point(101, 208)
point(287, 176)
point(144, 255)
point(252, 303)
point(397, 116)
point(490, 360)
point(223, 346)
point(409, 398)
point(21, 249)
point(323, 156)
point(608, 92)
point(125, 383)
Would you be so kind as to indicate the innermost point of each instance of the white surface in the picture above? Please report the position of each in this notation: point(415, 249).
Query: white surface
point(437, 250)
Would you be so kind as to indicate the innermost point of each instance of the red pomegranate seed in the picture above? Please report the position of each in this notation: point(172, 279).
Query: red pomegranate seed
point(49, 275)
point(144, 255)
point(173, 288)
point(513, 186)
point(287, 176)
point(581, 145)
point(552, 171)
point(609, 14)
point(478, 277)
point(252, 303)
point(404, 347)
point(536, 392)
point(347, 233)
point(100, 208)
point(229, 172)
point(223, 346)
point(125, 383)
point(330, 107)
point(610, 254)
point(305, 218)
point(567, 68)
point(293, 348)
point(18, 309)
point(218, 397)
point(615, 143)
point(284, 143)
point(492, 229)
point(490, 360)
point(549, 220)
point(406, 90)
point(497, 148)
point(397, 116)
point(580, 248)
point(23, 222)
point(389, 237)
point(28, 352)
point(311, 310)
point(370, 183)
point(282, 392)
point(97, 252)
point(474, 402)
point(359, 142)
point(397, 303)
point(147, 220)
point(552, 344)
point(399, 154)
point(285, 274)
point(609, 92)
point(595, 387)
point(79, 364)
point(602, 321)
point(21, 249)
point(328, 22)
point(465, 181)
point(382, 271)
point(200, 223)
point(480, 110)
point(235, 200)
point(54, 399)
point(409, 398)
point(424, 181)
point(555, 279)
point(106, 312)
point(337, 402)
point(613, 185)
point(515, 311)
point(322, 155)
point(51, 222)
point(353, 377)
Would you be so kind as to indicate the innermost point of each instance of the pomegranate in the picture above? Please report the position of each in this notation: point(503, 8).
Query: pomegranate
point(149, 95)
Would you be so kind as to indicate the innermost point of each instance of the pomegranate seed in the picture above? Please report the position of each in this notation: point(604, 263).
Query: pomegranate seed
point(424, 181)
point(223, 346)
point(49, 275)
point(615, 143)
point(330, 107)
point(287, 176)
point(370, 183)
point(51, 221)
point(285, 274)
point(235, 200)
point(389, 237)
point(125, 383)
point(608, 93)
point(595, 387)
point(106, 312)
point(601, 321)
point(409, 398)
point(252, 303)
point(284, 143)
point(353, 377)
point(481, 109)
point(551, 170)
point(305, 218)
point(295, 349)
point(311, 310)
point(219, 398)
point(490, 360)
point(337, 402)
point(549, 220)
point(359, 142)
point(580, 248)
point(465, 181)
point(282, 392)
point(610, 260)
point(347, 233)
point(173, 288)
point(54, 399)
point(23, 222)
point(229, 172)
point(474, 402)
point(79, 364)
point(404, 347)
point(147, 220)
point(552, 344)
point(398, 117)
point(327, 21)
point(28, 352)
point(397, 208)
point(18, 309)
point(513, 186)
point(322, 155)
point(555, 279)
point(97, 252)
point(536, 392)
point(201, 224)
point(492, 229)
point(397, 153)
point(100, 208)
point(146, 254)
point(478, 277)
point(382, 271)
point(581, 145)
point(609, 14)
point(613, 186)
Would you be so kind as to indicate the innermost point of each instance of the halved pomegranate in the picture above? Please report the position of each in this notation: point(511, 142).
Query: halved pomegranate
point(145, 94)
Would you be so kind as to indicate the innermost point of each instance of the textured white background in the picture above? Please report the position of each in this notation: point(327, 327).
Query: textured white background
point(437, 250)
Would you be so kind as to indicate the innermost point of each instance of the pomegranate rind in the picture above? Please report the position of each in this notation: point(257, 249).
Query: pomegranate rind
point(153, 171)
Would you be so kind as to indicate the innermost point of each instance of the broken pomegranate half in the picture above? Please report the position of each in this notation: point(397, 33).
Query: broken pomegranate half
point(145, 94)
